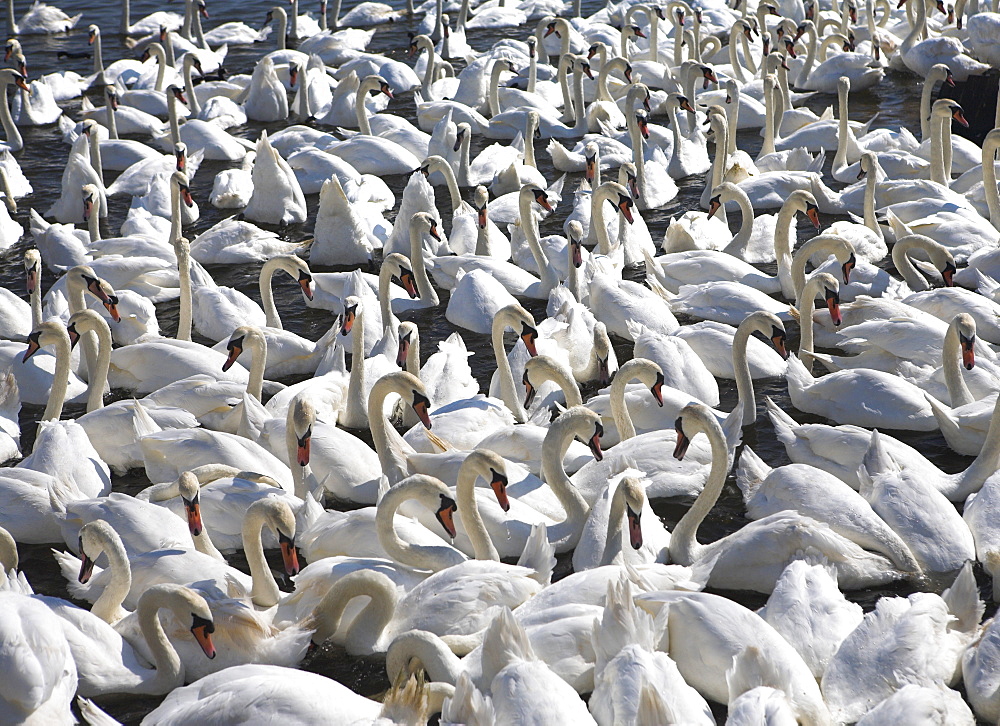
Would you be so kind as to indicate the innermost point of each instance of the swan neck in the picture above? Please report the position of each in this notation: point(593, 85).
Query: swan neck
point(94, 220)
point(951, 355)
point(267, 294)
point(428, 295)
point(734, 59)
point(784, 225)
point(468, 508)
point(169, 668)
point(803, 77)
point(984, 465)
point(189, 85)
point(684, 545)
point(494, 96)
point(770, 122)
point(368, 625)
point(60, 381)
point(871, 181)
point(359, 108)
point(613, 540)
point(356, 386)
point(744, 382)
point(258, 359)
point(507, 390)
point(99, 378)
point(901, 259)
point(265, 593)
point(638, 158)
point(428, 80)
point(990, 147)
point(597, 200)
point(108, 607)
point(530, 228)
point(554, 447)
point(175, 129)
point(619, 409)
point(580, 127)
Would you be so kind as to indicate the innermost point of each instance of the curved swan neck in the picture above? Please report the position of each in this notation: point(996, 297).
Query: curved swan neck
point(990, 145)
point(554, 447)
point(422, 557)
point(951, 354)
point(60, 379)
point(267, 294)
point(468, 509)
point(508, 393)
point(265, 591)
point(192, 97)
point(741, 366)
point(368, 625)
point(359, 105)
point(108, 607)
point(783, 246)
point(428, 295)
point(529, 225)
point(746, 214)
point(99, 379)
point(684, 545)
point(169, 668)
point(901, 259)
point(635, 369)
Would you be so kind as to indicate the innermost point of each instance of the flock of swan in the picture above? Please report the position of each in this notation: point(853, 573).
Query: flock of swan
point(439, 522)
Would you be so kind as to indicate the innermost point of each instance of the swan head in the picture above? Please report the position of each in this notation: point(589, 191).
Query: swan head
point(965, 326)
point(492, 467)
point(111, 94)
point(646, 371)
point(424, 223)
point(179, 179)
point(543, 368)
point(693, 419)
point(96, 538)
point(629, 179)
point(238, 341)
point(12, 48)
point(188, 606)
point(635, 499)
point(276, 514)
point(421, 42)
point(770, 327)
point(178, 93)
point(351, 309)
point(91, 195)
point(574, 236)
point(480, 201)
point(516, 317)
point(603, 351)
point(618, 196)
point(407, 333)
point(398, 269)
point(947, 109)
point(940, 256)
point(83, 322)
point(296, 267)
point(51, 332)
point(826, 284)
point(97, 287)
point(190, 492)
point(93, 33)
point(300, 420)
point(802, 201)
point(32, 269)
point(375, 84)
point(462, 132)
point(276, 12)
point(582, 422)
point(940, 72)
point(433, 494)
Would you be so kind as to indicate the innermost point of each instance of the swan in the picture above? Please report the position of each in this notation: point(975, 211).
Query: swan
point(784, 533)
point(41, 19)
point(923, 517)
point(918, 639)
point(857, 67)
point(821, 496)
point(706, 632)
point(919, 56)
point(808, 608)
point(277, 197)
point(41, 657)
point(205, 136)
point(107, 663)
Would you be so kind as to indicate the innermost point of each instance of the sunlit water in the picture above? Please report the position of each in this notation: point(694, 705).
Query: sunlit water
point(896, 100)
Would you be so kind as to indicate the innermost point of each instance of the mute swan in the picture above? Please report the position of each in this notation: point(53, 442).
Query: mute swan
point(707, 631)
point(808, 608)
point(919, 56)
point(277, 197)
point(815, 493)
point(41, 19)
point(784, 533)
point(919, 639)
point(107, 663)
point(40, 656)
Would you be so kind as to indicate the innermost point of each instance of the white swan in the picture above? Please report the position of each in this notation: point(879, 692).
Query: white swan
point(780, 535)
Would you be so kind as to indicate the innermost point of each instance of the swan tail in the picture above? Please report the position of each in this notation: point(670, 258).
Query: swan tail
point(799, 379)
point(142, 423)
point(655, 286)
point(69, 565)
point(945, 420)
point(652, 269)
point(560, 157)
point(622, 624)
point(963, 601)
point(784, 425)
point(875, 462)
point(867, 125)
point(468, 704)
point(817, 163)
point(37, 225)
point(794, 313)
point(751, 473)
point(438, 441)
point(504, 642)
point(93, 715)
point(539, 555)
point(653, 707)
point(555, 190)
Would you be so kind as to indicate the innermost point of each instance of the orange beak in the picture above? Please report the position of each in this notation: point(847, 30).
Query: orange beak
point(968, 352)
point(657, 390)
point(812, 211)
point(288, 554)
point(529, 335)
point(348, 323)
point(235, 348)
point(595, 441)
point(421, 406)
point(543, 201)
point(778, 341)
point(303, 446)
point(33, 347)
point(499, 486)
point(681, 447)
point(446, 515)
point(202, 631)
point(833, 305)
point(634, 528)
point(193, 509)
point(403, 350)
point(948, 274)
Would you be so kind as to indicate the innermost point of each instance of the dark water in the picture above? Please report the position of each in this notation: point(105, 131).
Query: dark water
point(896, 100)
